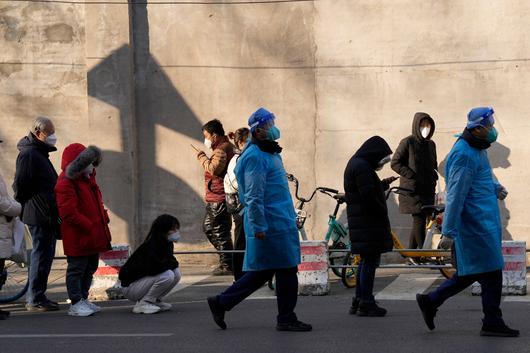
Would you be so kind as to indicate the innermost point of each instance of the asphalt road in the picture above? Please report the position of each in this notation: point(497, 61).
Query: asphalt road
point(189, 328)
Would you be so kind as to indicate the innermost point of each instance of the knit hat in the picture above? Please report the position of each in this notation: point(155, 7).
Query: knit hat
point(481, 116)
point(259, 118)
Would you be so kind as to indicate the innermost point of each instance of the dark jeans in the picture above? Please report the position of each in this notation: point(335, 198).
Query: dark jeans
point(364, 290)
point(286, 291)
point(40, 263)
point(417, 233)
point(491, 283)
point(79, 276)
point(239, 244)
point(217, 226)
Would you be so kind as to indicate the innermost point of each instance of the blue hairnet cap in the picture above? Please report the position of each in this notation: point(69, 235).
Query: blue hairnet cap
point(481, 116)
point(259, 117)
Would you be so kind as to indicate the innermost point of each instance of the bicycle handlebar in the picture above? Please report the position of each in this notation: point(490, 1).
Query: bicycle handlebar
point(324, 190)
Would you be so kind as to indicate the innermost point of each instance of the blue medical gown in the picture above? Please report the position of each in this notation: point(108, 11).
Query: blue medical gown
point(268, 207)
point(472, 216)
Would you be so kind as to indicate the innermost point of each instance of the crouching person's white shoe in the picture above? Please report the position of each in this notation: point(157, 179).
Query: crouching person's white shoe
point(80, 309)
point(92, 306)
point(163, 306)
point(143, 307)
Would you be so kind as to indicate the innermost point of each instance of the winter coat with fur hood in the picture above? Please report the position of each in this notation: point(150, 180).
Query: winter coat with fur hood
point(84, 219)
point(9, 209)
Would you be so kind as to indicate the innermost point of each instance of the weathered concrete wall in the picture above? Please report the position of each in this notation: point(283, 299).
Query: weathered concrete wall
point(140, 81)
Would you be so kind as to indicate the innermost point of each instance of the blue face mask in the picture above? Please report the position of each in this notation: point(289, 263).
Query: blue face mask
point(273, 133)
point(492, 135)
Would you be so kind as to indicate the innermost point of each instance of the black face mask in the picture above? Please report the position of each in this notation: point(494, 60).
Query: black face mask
point(474, 141)
point(267, 146)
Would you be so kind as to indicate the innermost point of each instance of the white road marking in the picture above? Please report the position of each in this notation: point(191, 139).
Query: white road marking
point(406, 286)
point(87, 335)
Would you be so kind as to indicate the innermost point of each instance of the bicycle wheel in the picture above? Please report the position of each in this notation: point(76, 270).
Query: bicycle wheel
point(15, 278)
point(348, 275)
point(337, 258)
point(446, 260)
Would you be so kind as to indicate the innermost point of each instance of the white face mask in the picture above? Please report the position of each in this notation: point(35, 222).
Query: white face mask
point(382, 162)
point(88, 171)
point(174, 237)
point(425, 131)
point(208, 143)
point(51, 140)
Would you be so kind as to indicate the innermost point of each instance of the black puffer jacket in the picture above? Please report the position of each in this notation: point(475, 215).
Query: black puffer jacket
point(153, 257)
point(34, 184)
point(415, 161)
point(367, 212)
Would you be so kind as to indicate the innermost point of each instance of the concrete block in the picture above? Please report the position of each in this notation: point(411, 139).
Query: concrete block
point(514, 272)
point(106, 285)
point(313, 278)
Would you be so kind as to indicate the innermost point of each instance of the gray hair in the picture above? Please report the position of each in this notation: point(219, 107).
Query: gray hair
point(41, 124)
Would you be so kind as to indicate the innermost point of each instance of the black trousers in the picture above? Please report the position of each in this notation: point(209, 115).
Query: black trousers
point(79, 273)
point(491, 283)
point(417, 233)
point(217, 226)
point(286, 291)
point(239, 244)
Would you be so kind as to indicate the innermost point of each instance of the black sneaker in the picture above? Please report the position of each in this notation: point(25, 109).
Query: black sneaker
point(4, 314)
point(498, 331)
point(371, 310)
point(218, 312)
point(45, 306)
point(354, 306)
point(427, 310)
point(295, 326)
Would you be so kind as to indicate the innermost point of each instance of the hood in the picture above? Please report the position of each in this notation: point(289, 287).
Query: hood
point(32, 142)
point(77, 157)
point(373, 150)
point(418, 117)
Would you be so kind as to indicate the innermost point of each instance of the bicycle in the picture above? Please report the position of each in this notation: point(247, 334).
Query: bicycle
point(336, 232)
point(423, 256)
point(14, 279)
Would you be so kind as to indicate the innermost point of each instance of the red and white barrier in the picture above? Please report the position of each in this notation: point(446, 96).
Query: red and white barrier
point(313, 270)
point(514, 271)
point(106, 285)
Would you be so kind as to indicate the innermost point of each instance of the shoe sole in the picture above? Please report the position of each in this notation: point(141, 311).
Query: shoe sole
point(146, 312)
point(80, 314)
point(497, 334)
point(292, 330)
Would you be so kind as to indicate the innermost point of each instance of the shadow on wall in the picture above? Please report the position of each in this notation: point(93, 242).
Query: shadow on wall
point(499, 158)
point(170, 111)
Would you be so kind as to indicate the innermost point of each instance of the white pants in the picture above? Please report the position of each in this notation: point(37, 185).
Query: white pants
point(152, 288)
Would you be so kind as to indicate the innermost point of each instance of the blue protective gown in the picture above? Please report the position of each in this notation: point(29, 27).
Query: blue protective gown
point(472, 216)
point(268, 207)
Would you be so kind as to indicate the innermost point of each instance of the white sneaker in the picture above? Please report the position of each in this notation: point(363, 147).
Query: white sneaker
point(163, 306)
point(92, 306)
point(80, 309)
point(143, 307)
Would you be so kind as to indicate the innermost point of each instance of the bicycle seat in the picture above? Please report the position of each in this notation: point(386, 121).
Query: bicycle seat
point(341, 198)
point(433, 208)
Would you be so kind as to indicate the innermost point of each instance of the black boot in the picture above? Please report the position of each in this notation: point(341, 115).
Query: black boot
point(371, 309)
point(295, 326)
point(427, 310)
point(354, 306)
point(500, 330)
point(218, 312)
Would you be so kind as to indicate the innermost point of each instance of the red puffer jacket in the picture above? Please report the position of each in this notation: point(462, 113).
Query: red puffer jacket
point(84, 219)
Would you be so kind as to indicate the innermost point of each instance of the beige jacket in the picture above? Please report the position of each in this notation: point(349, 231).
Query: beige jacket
point(10, 208)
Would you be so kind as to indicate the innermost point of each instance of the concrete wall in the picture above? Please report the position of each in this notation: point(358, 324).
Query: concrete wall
point(140, 80)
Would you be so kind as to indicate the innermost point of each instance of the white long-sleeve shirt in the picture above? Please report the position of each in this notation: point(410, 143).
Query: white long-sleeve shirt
point(230, 181)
